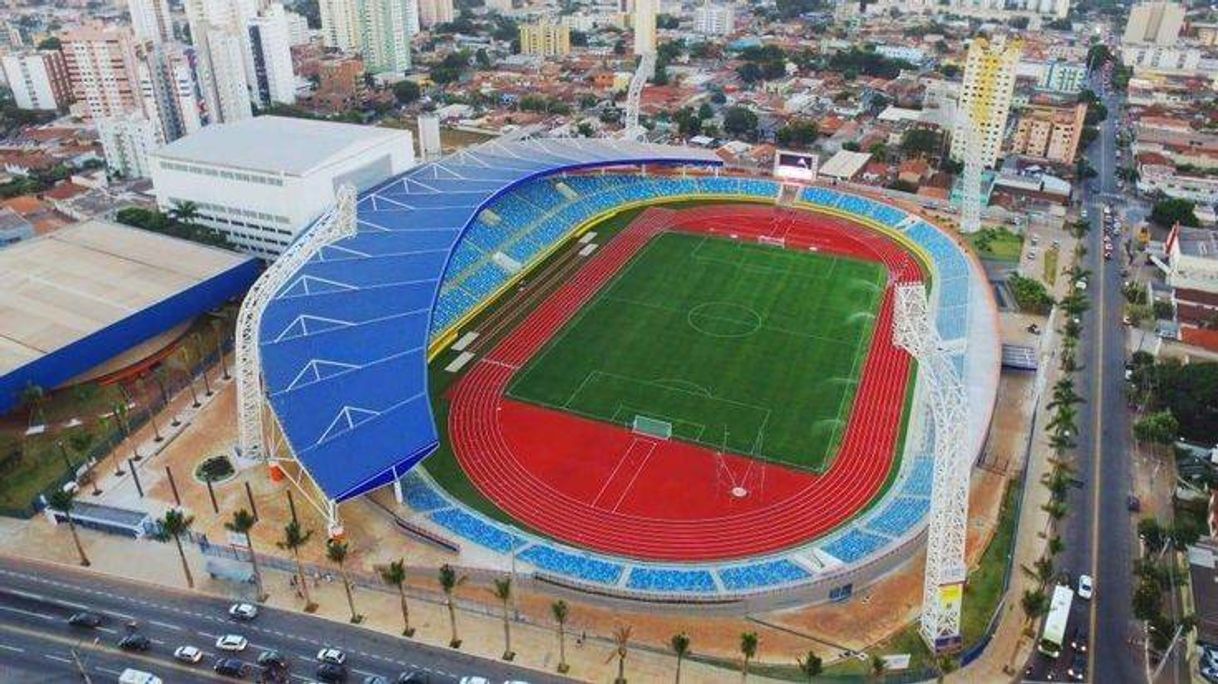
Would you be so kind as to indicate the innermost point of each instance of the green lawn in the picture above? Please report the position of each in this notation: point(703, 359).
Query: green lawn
point(998, 244)
point(739, 346)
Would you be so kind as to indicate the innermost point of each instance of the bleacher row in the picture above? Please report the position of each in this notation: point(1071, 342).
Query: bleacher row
point(523, 224)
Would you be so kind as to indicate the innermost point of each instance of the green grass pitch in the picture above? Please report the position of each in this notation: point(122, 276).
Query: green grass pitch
point(748, 348)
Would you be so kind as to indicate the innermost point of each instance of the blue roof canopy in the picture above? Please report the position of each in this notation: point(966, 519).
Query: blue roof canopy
point(344, 342)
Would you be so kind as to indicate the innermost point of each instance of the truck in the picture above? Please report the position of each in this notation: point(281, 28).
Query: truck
point(1054, 633)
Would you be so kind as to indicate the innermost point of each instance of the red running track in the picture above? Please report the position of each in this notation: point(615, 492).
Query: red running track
point(599, 486)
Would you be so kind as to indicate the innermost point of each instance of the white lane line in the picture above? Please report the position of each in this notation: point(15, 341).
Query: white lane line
point(107, 630)
point(13, 649)
point(166, 625)
point(27, 613)
point(46, 599)
point(58, 659)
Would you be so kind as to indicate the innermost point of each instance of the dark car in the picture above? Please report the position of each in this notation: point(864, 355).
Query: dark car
point(415, 677)
point(1079, 640)
point(86, 618)
point(1078, 668)
point(375, 679)
point(331, 672)
point(135, 642)
point(273, 659)
point(230, 667)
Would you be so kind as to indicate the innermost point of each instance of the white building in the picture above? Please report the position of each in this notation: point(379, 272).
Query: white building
point(39, 80)
point(1062, 77)
point(913, 55)
point(128, 143)
point(1157, 23)
point(432, 12)
point(645, 26)
point(167, 88)
point(270, 55)
point(714, 20)
point(262, 180)
point(298, 28)
point(985, 96)
point(150, 20)
point(339, 24)
point(385, 30)
point(218, 30)
point(429, 137)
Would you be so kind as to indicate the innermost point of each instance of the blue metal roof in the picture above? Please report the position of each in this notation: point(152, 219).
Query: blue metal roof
point(344, 342)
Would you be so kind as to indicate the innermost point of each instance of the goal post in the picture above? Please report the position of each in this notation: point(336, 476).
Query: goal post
point(652, 427)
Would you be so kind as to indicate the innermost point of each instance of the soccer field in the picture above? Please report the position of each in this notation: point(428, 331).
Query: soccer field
point(748, 348)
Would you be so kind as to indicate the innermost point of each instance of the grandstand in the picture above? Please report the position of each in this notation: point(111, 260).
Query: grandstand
point(438, 245)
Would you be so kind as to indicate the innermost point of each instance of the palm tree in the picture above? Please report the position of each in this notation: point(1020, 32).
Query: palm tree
point(560, 610)
point(503, 592)
point(119, 410)
point(159, 375)
point(811, 665)
point(680, 646)
point(156, 429)
point(175, 524)
point(243, 523)
point(621, 642)
point(184, 212)
point(217, 326)
point(945, 665)
point(394, 575)
point(878, 667)
point(1056, 545)
point(449, 581)
point(183, 361)
point(748, 647)
point(295, 537)
point(62, 500)
point(33, 397)
point(198, 341)
point(336, 551)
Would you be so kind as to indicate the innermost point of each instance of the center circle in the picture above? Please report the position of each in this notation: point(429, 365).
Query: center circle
point(724, 319)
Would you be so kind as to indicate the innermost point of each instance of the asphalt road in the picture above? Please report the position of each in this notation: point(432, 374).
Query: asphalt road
point(1099, 531)
point(37, 644)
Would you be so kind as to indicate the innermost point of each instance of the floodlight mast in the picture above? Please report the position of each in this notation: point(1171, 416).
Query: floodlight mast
point(947, 527)
point(336, 224)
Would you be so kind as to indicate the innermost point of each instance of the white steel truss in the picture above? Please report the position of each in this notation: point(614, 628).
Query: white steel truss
point(947, 527)
point(336, 224)
point(634, 96)
point(970, 190)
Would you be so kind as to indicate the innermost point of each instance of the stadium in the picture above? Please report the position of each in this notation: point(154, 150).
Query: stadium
point(628, 369)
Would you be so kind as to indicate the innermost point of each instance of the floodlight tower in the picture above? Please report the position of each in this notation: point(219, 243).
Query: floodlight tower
point(336, 224)
point(947, 527)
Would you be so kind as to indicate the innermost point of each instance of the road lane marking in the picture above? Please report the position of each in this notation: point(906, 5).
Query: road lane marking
point(13, 649)
point(58, 659)
point(166, 625)
point(27, 613)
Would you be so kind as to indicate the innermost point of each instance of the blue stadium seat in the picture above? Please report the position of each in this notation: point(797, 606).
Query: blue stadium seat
point(476, 529)
point(671, 580)
point(572, 565)
point(853, 545)
point(761, 574)
point(420, 496)
point(900, 516)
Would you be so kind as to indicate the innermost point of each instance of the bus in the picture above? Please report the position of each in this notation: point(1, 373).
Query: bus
point(1055, 624)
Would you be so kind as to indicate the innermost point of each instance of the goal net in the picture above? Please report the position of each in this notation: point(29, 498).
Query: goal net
point(652, 427)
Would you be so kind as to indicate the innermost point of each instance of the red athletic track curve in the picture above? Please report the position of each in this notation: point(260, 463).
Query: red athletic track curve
point(599, 486)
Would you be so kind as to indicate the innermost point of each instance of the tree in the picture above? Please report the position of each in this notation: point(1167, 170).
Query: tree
point(294, 538)
point(798, 133)
point(748, 648)
point(336, 552)
point(449, 581)
point(749, 72)
point(33, 397)
point(560, 610)
point(740, 122)
point(1169, 212)
point(921, 141)
point(184, 211)
point(175, 524)
point(811, 665)
point(503, 591)
point(50, 43)
point(1160, 428)
point(878, 666)
point(394, 575)
point(680, 646)
point(621, 643)
point(406, 92)
point(1034, 603)
point(62, 500)
point(243, 523)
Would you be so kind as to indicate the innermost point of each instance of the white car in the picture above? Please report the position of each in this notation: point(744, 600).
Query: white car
point(188, 654)
point(243, 611)
point(1085, 587)
point(232, 642)
point(475, 680)
point(331, 655)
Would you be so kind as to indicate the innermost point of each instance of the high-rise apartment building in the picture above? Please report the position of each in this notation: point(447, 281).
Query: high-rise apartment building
point(339, 24)
point(714, 20)
point(645, 26)
point(298, 28)
point(38, 79)
point(985, 97)
point(432, 12)
point(1051, 133)
point(545, 39)
point(101, 69)
point(270, 55)
point(1158, 23)
point(219, 34)
point(167, 87)
point(150, 20)
point(385, 30)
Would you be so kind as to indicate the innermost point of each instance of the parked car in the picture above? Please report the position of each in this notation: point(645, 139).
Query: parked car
point(232, 642)
point(1079, 640)
point(332, 656)
point(187, 654)
point(331, 672)
point(243, 611)
point(230, 667)
point(1086, 587)
point(272, 659)
point(415, 677)
point(1078, 668)
point(135, 642)
point(86, 618)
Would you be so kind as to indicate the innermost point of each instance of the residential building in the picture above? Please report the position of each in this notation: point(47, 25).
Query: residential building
point(432, 12)
point(714, 20)
point(128, 142)
point(340, 84)
point(429, 137)
point(167, 87)
point(263, 180)
point(905, 53)
point(339, 24)
point(151, 21)
point(1165, 60)
point(1158, 23)
point(385, 30)
point(645, 26)
point(1156, 174)
point(985, 96)
point(545, 39)
point(10, 36)
point(101, 70)
point(270, 52)
point(298, 28)
point(38, 79)
point(1192, 257)
point(13, 227)
point(1062, 77)
point(1050, 133)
